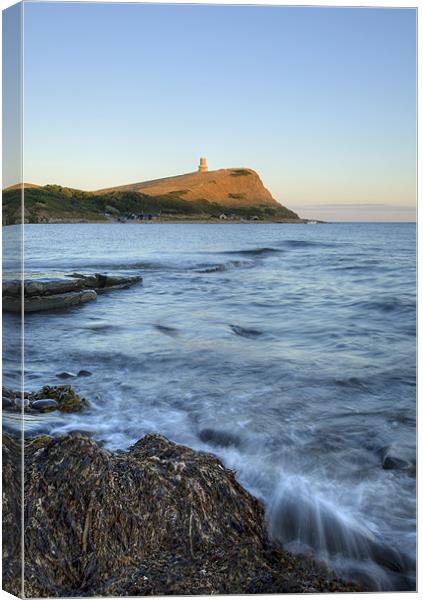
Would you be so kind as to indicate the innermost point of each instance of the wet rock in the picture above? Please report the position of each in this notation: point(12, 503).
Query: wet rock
point(166, 330)
point(66, 375)
point(67, 399)
point(7, 402)
point(393, 462)
point(57, 397)
point(157, 519)
point(84, 373)
point(7, 393)
point(219, 437)
point(53, 302)
point(52, 294)
point(100, 281)
point(246, 332)
point(12, 288)
point(45, 405)
point(12, 513)
point(394, 458)
point(21, 403)
point(51, 287)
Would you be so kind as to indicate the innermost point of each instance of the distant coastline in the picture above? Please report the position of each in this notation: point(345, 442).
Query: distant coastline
point(225, 195)
point(176, 221)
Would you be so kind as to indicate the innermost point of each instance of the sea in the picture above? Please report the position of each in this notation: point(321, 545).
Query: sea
point(288, 350)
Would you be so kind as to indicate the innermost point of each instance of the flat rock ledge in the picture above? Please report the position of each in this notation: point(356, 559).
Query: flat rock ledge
point(159, 519)
point(60, 293)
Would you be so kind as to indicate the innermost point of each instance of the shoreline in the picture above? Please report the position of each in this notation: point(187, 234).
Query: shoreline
point(181, 221)
point(185, 524)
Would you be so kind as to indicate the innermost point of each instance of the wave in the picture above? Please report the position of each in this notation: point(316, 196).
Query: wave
point(306, 244)
point(281, 246)
point(137, 266)
point(386, 306)
point(254, 251)
point(300, 518)
point(228, 266)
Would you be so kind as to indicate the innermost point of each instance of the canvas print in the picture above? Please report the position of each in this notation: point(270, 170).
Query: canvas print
point(209, 299)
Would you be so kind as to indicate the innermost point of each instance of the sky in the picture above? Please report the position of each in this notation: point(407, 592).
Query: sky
point(320, 101)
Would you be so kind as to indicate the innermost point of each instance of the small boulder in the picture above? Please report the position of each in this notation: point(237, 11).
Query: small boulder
point(6, 392)
point(217, 437)
point(394, 463)
point(21, 403)
point(66, 375)
point(84, 373)
point(45, 405)
point(7, 402)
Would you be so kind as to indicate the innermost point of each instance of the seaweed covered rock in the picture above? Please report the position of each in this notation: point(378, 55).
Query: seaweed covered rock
point(11, 514)
point(65, 396)
point(48, 398)
point(157, 519)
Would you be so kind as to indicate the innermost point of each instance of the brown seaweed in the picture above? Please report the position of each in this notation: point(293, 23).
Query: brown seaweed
point(158, 519)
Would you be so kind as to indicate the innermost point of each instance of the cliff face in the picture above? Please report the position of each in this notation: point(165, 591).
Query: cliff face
point(226, 187)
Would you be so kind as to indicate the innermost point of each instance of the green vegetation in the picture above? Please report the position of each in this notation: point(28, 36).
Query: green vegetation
point(240, 172)
point(236, 196)
point(53, 203)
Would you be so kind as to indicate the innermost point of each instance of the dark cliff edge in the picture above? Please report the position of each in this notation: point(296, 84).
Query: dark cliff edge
point(157, 519)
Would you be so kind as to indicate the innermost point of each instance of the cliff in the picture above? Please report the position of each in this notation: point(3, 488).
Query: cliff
point(237, 193)
point(227, 187)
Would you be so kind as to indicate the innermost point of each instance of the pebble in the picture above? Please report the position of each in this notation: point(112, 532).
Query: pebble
point(19, 403)
point(65, 375)
point(45, 404)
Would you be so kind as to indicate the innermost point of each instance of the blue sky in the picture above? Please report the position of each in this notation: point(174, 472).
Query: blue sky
point(320, 101)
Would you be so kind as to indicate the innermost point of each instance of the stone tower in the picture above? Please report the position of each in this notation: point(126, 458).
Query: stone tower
point(203, 165)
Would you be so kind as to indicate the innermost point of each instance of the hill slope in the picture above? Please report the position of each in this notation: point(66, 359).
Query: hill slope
point(197, 196)
point(226, 187)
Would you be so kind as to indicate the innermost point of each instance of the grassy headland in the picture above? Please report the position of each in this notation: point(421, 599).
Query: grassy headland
point(227, 194)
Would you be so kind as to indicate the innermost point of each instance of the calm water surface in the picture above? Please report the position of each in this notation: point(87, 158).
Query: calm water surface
point(287, 350)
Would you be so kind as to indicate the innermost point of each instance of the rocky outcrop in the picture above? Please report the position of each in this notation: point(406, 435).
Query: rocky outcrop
point(157, 519)
point(52, 294)
point(53, 302)
point(49, 398)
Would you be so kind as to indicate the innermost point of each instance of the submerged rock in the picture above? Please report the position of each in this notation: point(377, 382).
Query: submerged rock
point(218, 437)
point(393, 462)
point(84, 373)
point(65, 375)
point(157, 519)
point(394, 459)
